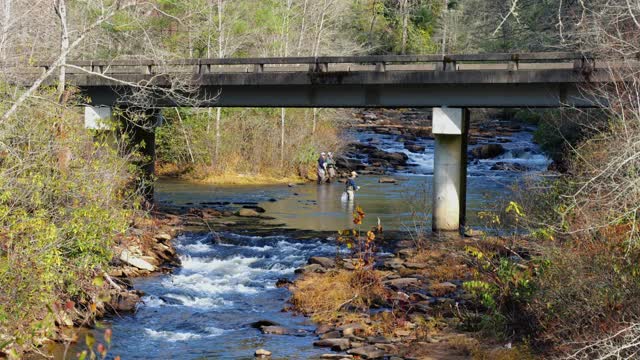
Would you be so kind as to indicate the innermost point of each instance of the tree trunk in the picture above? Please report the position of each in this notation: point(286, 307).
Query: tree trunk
point(315, 115)
point(282, 117)
point(216, 154)
point(316, 47)
point(186, 136)
point(6, 25)
point(405, 16)
point(61, 11)
point(218, 137)
point(445, 11)
point(302, 27)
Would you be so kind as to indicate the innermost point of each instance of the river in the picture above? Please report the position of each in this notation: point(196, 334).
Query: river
point(204, 309)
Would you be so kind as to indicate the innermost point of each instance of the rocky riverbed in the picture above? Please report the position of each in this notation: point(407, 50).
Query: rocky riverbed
point(411, 128)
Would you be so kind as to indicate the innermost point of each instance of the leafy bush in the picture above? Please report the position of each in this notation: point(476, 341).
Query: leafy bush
point(62, 204)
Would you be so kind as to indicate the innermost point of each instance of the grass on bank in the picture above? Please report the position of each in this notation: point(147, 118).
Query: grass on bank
point(203, 175)
point(248, 142)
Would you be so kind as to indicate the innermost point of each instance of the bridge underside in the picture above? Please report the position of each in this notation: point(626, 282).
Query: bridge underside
point(353, 96)
point(523, 88)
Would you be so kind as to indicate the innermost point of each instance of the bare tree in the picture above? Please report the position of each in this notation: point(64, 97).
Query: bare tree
point(61, 11)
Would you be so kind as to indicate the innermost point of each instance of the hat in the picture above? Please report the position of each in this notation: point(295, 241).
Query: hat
point(329, 153)
point(354, 174)
point(323, 153)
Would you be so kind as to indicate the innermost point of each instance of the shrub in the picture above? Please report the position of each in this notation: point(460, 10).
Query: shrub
point(62, 204)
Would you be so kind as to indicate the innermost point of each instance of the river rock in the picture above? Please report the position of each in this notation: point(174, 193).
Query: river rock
point(162, 237)
point(423, 306)
point(334, 344)
point(394, 264)
point(447, 286)
point(125, 301)
point(406, 253)
point(312, 268)
point(331, 335)
point(401, 282)
point(322, 261)
point(414, 148)
point(169, 300)
point(416, 296)
point(323, 329)
point(262, 353)
point(209, 214)
point(350, 330)
point(394, 158)
point(283, 283)
point(386, 180)
point(257, 208)
point(275, 330)
point(247, 213)
point(488, 151)
point(367, 352)
point(128, 258)
point(336, 356)
point(505, 166)
point(378, 340)
point(262, 323)
point(415, 265)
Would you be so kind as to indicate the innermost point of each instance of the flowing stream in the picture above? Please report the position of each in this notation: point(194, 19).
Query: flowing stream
point(204, 309)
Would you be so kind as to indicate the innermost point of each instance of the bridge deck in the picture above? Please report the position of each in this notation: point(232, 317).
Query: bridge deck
point(477, 80)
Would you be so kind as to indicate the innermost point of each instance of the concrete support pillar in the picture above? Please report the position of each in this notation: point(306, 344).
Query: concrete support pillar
point(450, 126)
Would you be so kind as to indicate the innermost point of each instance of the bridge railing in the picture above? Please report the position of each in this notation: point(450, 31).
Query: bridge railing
point(381, 63)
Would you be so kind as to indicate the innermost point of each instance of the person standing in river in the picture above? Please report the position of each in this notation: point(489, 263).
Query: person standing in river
point(322, 168)
point(351, 186)
point(331, 168)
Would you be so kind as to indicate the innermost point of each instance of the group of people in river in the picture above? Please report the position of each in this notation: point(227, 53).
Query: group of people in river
point(327, 173)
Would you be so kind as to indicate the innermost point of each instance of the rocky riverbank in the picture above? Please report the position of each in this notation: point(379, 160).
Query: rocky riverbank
point(411, 304)
point(144, 250)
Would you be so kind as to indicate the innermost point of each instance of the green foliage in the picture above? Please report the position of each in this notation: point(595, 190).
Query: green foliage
point(62, 204)
point(504, 287)
point(379, 25)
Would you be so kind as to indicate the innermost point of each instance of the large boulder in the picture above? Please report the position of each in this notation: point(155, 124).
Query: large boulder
point(130, 259)
point(125, 301)
point(394, 158)
point(488, 151)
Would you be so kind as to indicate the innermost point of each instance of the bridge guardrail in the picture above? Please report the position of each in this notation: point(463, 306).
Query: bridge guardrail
point(377, 63)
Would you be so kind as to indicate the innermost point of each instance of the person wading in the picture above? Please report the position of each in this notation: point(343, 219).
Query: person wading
point(351, 186)
point(322, 168)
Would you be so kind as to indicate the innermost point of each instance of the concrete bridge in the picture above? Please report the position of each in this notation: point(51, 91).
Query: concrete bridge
point(450, 84)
